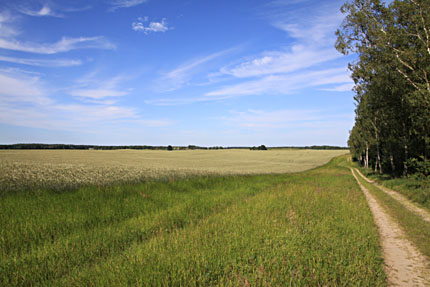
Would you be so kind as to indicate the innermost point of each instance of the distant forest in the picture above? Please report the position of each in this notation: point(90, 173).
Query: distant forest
point(392, 83)
point(148, 147)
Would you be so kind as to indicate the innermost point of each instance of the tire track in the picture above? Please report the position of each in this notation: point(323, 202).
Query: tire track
point(424, 214)
point(404, 264)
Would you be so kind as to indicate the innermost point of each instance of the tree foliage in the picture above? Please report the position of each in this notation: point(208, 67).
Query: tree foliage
point(392, 81)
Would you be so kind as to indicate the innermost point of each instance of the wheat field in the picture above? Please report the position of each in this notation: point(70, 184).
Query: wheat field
point(61, 169)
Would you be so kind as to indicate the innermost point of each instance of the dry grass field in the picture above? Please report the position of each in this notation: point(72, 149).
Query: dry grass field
point(71, 168)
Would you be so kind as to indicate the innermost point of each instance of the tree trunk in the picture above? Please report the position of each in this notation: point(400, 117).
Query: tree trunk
point(393, 166)
point(366, 164)
point(378, 160)
point(378, 154)
point(405, 143)
point(405, 168)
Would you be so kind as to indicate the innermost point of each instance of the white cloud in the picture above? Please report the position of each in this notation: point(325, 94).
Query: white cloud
point(176, 102)
point(64, 45)
point(284, 83)
point(25, 101)
point(290, 126)
point(313, 38)
point(92, 89)
point(18, 87)
point(97, 94)
point(152, 27)
point(98, 112)
point(152, 123)
point(181, 74)
point(342, 88)
point(300, 66)
point(126, 3)
point(276, 62)
point(308, 60)
point(45, 10)
point(42, 62)
point(6, 29)
point(271, 119)
point(318, 30)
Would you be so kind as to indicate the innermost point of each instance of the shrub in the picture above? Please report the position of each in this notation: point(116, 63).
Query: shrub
point(419, 167)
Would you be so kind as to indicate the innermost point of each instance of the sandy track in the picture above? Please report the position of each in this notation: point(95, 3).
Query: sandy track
point(425, 215)
point(404, 264)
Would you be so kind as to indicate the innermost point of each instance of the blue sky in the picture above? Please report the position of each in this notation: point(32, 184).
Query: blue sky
point(159, 72)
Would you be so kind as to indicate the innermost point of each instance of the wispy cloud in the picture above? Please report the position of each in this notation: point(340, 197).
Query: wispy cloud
point(313, 41)
point(271, 119)
point(298, 66)
point(92, 89)
point(26, 101)
point(182, 74)
point(284, 83)
point(276, 62)
point(125, 3)
point(98, 112)
point(64, 45)
point(9, 40)
point(43, 11)
point(307, 60)
point(341, 88)
point(6, 29)
point(97, 94)
point(316, 28)
point(42, 62)
point(285, 118)
point(18, 87)
point(152, 27)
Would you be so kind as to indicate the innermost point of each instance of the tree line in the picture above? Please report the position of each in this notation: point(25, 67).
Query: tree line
point(149, 147)
point(392, 83)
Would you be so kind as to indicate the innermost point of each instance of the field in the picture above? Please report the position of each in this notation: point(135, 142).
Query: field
point(59, 169)
point(310, 228)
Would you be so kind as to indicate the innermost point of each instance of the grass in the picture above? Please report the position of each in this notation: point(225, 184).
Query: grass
point(416, 229)
point(416, 189)
point(69, 169)
point(312, 228)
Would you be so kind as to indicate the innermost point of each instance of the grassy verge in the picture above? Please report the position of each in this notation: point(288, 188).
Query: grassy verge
point(309, 228)
point(417, 190)
point(416, 229)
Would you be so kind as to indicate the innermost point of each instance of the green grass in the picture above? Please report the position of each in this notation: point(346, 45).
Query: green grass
point(416, 229)
point(416, 189)
point(305, 229)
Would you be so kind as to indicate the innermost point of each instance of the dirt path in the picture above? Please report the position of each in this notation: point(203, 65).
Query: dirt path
point(425, 215)
point(404, 264)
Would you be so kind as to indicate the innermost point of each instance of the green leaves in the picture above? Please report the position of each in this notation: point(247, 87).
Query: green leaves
point(392, 79)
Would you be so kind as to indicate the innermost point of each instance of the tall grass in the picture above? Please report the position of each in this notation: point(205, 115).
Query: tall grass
point(310, 228)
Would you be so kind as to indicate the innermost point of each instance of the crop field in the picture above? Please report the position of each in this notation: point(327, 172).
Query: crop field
point(310, 228)
point(62, 169)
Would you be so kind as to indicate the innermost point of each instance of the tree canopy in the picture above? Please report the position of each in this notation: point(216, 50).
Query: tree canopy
point(392, 81)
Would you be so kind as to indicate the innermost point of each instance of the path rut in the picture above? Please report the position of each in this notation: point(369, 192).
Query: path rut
point(404, 264)
point(425, 215)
